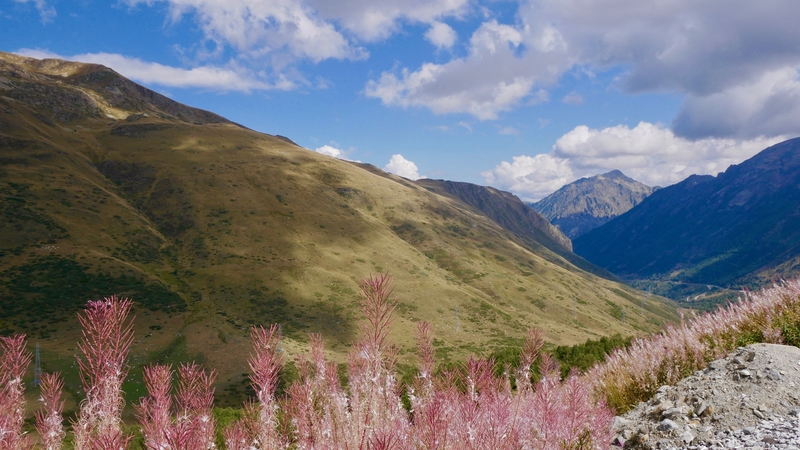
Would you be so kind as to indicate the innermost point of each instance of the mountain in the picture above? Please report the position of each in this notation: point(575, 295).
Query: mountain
point(585, 204)
point(740, 228)
point(109, 188)
point(511, 213)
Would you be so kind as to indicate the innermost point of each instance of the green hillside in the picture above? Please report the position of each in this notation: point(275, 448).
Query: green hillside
point(109, 188)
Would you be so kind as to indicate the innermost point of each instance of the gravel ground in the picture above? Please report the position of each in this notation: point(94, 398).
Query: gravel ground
point(750, 399)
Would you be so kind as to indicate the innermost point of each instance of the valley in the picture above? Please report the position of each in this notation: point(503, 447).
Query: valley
point(109, 188)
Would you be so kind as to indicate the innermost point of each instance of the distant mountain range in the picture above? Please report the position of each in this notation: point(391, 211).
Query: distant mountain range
point(585, 204)
point(740, 228)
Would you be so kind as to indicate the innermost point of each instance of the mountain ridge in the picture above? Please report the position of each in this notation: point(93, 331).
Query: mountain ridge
point(738, 229)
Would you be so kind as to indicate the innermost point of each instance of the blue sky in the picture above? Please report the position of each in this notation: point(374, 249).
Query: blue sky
point(522, 95)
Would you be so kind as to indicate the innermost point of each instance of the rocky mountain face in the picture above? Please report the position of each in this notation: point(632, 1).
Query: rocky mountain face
point(740, 228)
point(109, 188)
point(585, 204)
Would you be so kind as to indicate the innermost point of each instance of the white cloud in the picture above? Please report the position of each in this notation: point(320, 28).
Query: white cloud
point(507, 131)
point(374, 20)
point(46, 12)
point(767, 106)
point(335, 152)
point(441, 35)
point(330, 151)
point(398, 165)
point(648, 153)
point(490, 80)
point(282, 30)
point(204, 77)
point(531, 177)
point(719, 53)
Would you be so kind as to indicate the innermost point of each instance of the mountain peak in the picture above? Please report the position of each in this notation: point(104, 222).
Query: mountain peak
point(615, 174)
point(590, 202)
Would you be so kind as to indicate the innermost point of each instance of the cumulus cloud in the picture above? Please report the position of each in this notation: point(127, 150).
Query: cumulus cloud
point(649, 153)
point(330, 151)
point(441, 35)
point(204, 77)
point(490, 80)
point(721, 54)
point(335, 152)
point(769, 106)
point(285, 31)
point(46, 12)
point(398, 165)
point(374, 20)
point(280, 29)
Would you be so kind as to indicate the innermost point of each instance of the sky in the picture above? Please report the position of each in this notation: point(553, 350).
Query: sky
point(523, 95)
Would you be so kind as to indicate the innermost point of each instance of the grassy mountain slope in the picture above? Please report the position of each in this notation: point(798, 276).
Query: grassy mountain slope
point(585, 204)
point(210, 227)
point(708, 234)
point(508, 211)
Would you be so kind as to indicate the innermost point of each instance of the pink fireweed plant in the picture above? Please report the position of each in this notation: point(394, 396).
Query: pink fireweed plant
point(14, 361)
point(372, 415)
point(260, 428)
point(193, 425)
point(107, 337)
point(634, 374)
point(49, 419)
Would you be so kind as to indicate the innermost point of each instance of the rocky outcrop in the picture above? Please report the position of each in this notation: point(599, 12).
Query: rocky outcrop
point(750, 399)
point(587, 203)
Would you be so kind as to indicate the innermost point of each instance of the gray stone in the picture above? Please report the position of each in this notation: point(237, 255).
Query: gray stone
point(687, 437)
point(667, 425)
point(745, 373)
point(620, 423)
point(672, 413)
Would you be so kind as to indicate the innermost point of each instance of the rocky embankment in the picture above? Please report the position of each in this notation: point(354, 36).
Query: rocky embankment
point(751, 399)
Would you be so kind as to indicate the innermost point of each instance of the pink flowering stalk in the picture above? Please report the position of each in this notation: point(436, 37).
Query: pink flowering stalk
point(154, 410)
point(377, 414)
point(318, 406)
point(107, 337)
point(371, 416)
point(49, 420)
point(238, 436)
point(488, 414)
point(266, 363)
point(193, 425)
point(14, 360)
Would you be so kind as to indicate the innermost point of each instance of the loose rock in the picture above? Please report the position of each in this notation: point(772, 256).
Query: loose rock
point(727, 405)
